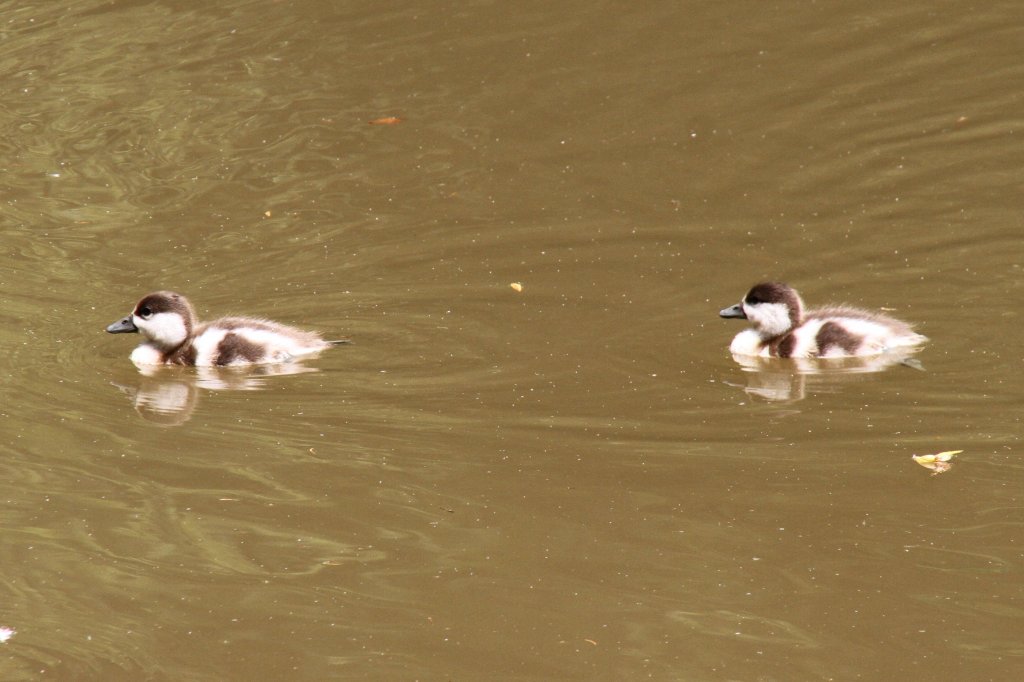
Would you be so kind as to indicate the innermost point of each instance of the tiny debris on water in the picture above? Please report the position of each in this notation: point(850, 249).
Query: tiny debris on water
point(386, 121)
point(937, 463)
point(516, 286)
point(6, 634)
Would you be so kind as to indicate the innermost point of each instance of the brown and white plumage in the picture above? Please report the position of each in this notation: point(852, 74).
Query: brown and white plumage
point(173, 335)
point(782, 328)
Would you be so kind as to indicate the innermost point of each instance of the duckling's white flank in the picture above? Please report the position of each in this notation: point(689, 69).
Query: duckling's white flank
point(172, 335)
point(782, 329)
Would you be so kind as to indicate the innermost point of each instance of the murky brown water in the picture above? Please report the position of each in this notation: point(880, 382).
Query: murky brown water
point(571, 482)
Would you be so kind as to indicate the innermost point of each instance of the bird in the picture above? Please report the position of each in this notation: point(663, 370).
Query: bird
point(173, 335)
point(781, 327)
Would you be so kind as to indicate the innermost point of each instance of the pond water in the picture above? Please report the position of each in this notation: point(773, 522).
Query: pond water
point(574, 481)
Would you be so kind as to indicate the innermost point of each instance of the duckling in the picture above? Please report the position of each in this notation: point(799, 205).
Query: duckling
point(781, 327)
point(172, 335)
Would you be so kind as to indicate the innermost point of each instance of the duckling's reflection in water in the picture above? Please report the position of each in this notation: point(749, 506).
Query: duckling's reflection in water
point(169, 395)
point(790, 379)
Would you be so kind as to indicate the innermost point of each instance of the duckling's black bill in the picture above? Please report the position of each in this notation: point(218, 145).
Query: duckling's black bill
point(123, 326)
point(733, 311)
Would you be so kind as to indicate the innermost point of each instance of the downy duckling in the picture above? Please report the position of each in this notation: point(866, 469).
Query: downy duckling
point(173, 336)
point(781, 327)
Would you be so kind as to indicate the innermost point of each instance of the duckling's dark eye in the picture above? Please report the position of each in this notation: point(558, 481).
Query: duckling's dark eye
point(145, 312)
point(752, 300)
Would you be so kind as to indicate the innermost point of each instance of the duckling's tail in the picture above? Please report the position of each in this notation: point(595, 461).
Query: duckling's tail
point(340, 342)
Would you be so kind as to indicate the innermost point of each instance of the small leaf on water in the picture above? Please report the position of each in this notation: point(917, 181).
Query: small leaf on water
point(938, 457)
point(937, 463)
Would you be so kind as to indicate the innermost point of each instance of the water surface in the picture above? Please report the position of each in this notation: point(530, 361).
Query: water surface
point(574, 481)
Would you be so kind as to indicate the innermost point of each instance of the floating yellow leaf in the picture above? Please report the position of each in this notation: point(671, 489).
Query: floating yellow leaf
point(937, 463)
point(517, 286)
point(938, 457)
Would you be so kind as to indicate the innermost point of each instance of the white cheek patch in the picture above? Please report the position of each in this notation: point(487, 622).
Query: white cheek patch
point(164, 329)
point(770, 319)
